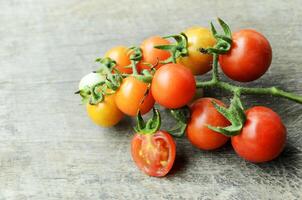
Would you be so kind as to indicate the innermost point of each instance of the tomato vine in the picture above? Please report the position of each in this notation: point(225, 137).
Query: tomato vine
point(234, 113)
point(129, 81)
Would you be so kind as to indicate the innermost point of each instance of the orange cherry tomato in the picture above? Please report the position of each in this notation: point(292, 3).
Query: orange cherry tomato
point(120, 55)
point(173, 86)
point(154, 154)
point(130, 97)
point(152, 55)
point(204, 113)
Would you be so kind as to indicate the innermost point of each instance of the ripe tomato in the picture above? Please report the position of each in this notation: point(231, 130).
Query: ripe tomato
point(130, 95)
point(262, 137)
point(249, 57)
point(152, 55)
point(198, 63)
point(106, 113)
point(154, 154)
point(120, 55)
point(173, 86)
point(203, 113)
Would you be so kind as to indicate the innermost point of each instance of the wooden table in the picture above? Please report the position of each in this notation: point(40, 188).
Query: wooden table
point(49, 149)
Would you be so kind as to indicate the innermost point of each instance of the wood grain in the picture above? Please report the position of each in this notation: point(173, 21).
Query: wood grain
point(50, 150)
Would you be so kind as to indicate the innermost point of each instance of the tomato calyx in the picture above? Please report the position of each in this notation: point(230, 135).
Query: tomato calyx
point(136, 56)
point(177, 49)
point(224, 41)
point(151, 126)
point(181, 115)
point(234, 113)
point(95, 94)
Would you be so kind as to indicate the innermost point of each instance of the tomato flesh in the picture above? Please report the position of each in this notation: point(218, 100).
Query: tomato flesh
point(154, 154)
point(263, 136)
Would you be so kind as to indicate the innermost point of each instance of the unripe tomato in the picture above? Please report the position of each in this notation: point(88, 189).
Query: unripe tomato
point(263, 136)
point(249, 57)
point(173, 86)
point(198, 63)
point(204, 113)
point(91, 79)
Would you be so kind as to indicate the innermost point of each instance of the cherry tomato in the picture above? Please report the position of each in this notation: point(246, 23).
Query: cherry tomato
point(249, 57)
point(152, 55)
point(263, 136)
point(91, 79)
point(198, 63)
point(203, 113)
point(173, 86)
point(130, 97)
point(106, 113)
point(154, 154)
point(120, 55)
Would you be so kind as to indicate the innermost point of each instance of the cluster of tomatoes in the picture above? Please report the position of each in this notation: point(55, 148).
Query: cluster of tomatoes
point(173, 86)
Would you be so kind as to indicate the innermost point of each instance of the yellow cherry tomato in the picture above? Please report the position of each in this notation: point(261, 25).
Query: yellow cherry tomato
point(106, 113)
point(198, 37)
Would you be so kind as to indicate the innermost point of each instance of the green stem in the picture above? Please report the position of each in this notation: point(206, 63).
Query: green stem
point(272, 91)
point(215, 75)
point(215, 82)
point(247, 90)
point(134, 69)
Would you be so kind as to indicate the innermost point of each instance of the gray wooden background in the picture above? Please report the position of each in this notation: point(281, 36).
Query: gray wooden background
point(49, 149)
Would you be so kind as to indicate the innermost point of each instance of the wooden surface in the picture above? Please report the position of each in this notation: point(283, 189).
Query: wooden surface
point(49, 149)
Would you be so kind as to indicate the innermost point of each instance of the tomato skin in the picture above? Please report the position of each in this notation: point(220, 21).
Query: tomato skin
point(198, 63)
point(203, 113)
point(154, 154)
point(153, 55)
point(120, 55)
point(91, 79)
point(263, 136)
point(249, 57)
point(173, 85)
point(106, 113)
point(130, 95)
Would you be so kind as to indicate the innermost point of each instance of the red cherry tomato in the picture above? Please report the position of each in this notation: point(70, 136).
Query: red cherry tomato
point(154, 154)
point(130, 97)
point(152, 55)
point(173, 85)
point(203, 113)
point(263, 136)
point(120, 55)
point(249, 57)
